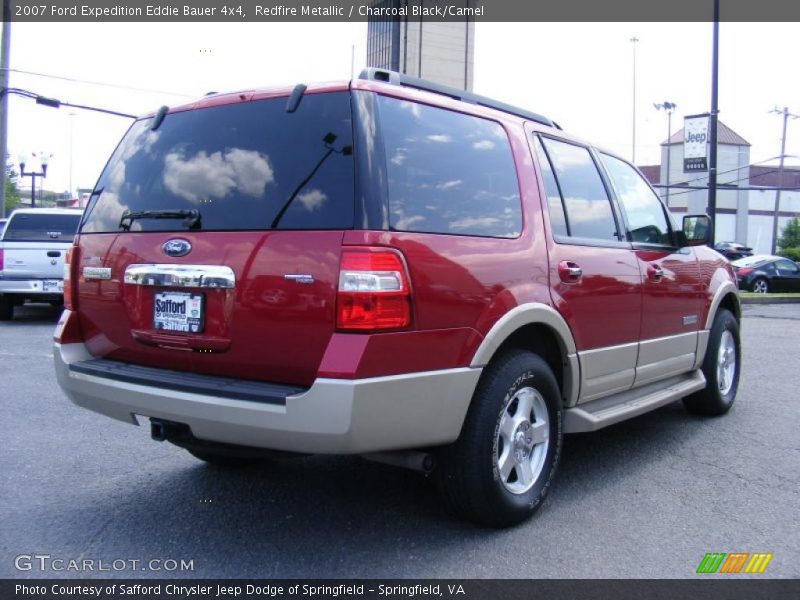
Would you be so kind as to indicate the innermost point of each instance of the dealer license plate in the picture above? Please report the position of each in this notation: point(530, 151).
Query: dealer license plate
point(53, 285)
point(178, 311)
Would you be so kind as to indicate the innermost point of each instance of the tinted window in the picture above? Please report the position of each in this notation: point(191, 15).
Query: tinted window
point(647, 222)
point(587, 204)
point(448, 172)
point(786, 265)
point(42, 227)
point(558, 220)
point(239, 165)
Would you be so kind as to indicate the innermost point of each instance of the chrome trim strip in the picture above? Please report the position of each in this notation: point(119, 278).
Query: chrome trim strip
point(191, 276)
point(299, 278)
point(96, 273)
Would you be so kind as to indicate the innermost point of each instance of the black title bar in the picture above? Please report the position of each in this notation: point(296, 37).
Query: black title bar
point(415, 10)
point(732, 588)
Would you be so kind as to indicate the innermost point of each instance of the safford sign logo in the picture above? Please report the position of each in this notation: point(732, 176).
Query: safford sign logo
point(734, 562)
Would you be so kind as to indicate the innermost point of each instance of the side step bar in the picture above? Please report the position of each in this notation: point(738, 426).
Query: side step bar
point(606, 411)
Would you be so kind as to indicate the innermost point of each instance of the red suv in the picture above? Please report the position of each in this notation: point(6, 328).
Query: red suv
point(390, 268)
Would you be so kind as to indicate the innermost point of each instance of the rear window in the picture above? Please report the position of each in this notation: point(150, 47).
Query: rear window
point(42, 227)
point(247, 166)
point(448, 172)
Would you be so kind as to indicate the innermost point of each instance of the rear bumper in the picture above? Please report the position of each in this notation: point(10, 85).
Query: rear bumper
point(334, 416)
point(27, 287)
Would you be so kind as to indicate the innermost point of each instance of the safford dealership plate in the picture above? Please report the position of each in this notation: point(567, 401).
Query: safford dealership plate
point(178, 311)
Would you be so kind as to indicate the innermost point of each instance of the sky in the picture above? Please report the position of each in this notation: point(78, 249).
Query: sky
point(578, 74)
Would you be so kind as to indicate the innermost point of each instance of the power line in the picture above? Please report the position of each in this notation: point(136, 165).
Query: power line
point(724, 186)
point(100, 83)
point(53, 103)
point(688, 181)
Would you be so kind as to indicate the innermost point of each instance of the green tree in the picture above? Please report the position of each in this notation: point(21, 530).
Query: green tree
point(12, 191)
point(791, 235)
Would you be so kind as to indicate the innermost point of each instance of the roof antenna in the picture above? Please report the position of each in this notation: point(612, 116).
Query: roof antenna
point(159, 118)
point(294, 99)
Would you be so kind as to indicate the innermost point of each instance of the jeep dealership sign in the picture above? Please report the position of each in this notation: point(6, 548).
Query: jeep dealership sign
point(695, 143)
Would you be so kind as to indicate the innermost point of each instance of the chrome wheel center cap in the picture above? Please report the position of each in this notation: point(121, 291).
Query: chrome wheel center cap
point(523, 441)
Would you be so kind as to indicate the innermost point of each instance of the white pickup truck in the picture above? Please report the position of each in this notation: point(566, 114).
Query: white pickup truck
point(32, 250)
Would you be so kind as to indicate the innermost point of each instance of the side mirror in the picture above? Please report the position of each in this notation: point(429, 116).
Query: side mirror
point(697, 230)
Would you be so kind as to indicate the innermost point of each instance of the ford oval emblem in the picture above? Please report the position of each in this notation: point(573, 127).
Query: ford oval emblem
point(176, 247)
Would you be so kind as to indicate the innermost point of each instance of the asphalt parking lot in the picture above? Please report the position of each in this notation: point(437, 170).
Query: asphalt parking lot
point(646, 498)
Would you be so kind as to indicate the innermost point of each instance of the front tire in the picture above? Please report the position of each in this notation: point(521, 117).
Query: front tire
point(721, 368)
point(501, 467)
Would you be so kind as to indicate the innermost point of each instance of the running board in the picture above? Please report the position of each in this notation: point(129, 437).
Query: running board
point(606, 411)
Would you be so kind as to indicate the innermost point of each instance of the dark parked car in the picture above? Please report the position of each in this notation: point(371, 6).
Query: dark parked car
point(733, 250)
point(770, 274)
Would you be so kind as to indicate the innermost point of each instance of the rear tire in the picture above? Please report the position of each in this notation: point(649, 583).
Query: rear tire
point(721, 368)
point(6, 307)
point(500, 469)
point(761, 286)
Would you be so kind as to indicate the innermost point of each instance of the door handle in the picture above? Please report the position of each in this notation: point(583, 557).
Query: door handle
point(53, 253)
point(569, 272)
point(655, 273)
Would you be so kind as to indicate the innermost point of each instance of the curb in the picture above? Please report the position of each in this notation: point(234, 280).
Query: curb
point(767, 300)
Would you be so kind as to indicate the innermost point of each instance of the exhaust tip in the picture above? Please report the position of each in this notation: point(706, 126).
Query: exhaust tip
point(158, 431)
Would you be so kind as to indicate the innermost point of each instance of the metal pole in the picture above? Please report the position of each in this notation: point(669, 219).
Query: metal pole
point(4, 57)
point(712, 159)
point(71, 151)
point(33, 190)
point(785, 113)
point(633, 112)
point(669, 149)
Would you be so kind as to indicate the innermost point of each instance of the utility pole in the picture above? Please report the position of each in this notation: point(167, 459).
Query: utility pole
point(786, 114)
point(634, 40)
point(668, 107)
point(712, 125)
point(4, 52)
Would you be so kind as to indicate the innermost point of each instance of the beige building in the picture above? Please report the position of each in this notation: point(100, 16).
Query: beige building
point(745, 197)
point(441, 51)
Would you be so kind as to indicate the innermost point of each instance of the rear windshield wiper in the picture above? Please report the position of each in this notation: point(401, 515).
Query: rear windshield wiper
point(191, 217)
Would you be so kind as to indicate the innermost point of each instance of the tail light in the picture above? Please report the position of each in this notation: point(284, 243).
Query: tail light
point(2, 258)
point(373, 291)
point(70, 278)
point(744, 271)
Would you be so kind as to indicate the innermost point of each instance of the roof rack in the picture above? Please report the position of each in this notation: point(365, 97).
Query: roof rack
point(395, 78)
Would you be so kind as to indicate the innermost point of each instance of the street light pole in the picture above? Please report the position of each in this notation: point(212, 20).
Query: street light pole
point(668, 107)
point(33, 175)
point(712, 126)
point(786, 114)
point(71, 152)
point(634, 40)
point(5, 48)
